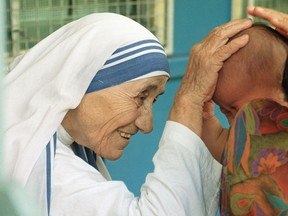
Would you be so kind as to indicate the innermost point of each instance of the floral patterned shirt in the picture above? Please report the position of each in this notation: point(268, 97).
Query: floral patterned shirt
point(255, 162)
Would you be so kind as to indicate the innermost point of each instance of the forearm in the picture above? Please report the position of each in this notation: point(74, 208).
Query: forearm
point(214, 136)
point(188, 112)
point(185, 175)
point(184, 182)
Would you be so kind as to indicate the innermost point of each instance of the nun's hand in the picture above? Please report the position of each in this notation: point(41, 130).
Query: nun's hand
point(199, 82)
point(275, 18)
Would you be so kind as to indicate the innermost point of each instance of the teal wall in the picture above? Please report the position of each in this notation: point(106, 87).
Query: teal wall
point(193, 19)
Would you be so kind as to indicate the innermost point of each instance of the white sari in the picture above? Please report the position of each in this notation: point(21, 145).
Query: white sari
point(50, 80)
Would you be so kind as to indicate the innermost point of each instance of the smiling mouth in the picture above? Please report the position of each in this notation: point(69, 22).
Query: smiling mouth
point(125, 135)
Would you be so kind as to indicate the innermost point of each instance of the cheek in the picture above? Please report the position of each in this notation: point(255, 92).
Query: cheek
point(125, 114)
point(111, 148)
point(106, 131)
point(118, 113)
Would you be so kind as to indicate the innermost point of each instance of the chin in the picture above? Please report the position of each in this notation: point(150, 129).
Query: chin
point(113, 157)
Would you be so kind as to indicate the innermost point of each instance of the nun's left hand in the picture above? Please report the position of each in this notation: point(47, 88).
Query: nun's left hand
point(205, 61)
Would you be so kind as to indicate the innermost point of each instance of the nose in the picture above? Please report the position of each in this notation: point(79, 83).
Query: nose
point(145, 120)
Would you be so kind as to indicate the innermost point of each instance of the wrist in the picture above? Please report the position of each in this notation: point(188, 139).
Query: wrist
point(187, 112)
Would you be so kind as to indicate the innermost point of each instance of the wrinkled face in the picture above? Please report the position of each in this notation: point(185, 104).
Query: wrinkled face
point(233, 91)
point(105, 120)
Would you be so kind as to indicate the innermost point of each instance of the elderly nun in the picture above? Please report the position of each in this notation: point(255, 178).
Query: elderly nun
point(79, 95)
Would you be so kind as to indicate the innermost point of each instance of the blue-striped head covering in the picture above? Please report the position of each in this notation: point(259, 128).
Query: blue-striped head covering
point(130, 62)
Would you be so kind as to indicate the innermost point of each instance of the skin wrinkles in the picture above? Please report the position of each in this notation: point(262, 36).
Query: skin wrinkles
point(203, 66)
point(103, 116)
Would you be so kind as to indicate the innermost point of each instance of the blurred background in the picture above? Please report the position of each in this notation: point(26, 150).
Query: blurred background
point(178, 24)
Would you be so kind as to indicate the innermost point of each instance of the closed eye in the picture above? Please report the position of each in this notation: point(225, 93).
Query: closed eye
point(143, 95)
point(140, 98)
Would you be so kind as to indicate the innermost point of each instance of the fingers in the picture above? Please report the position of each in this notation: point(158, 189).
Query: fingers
point(200, 79)
point(216, 41)
point(220, 35)
point(233, 27)
point(276, 18)
point(233, 46)
point(283, 32)
point(265, 13)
